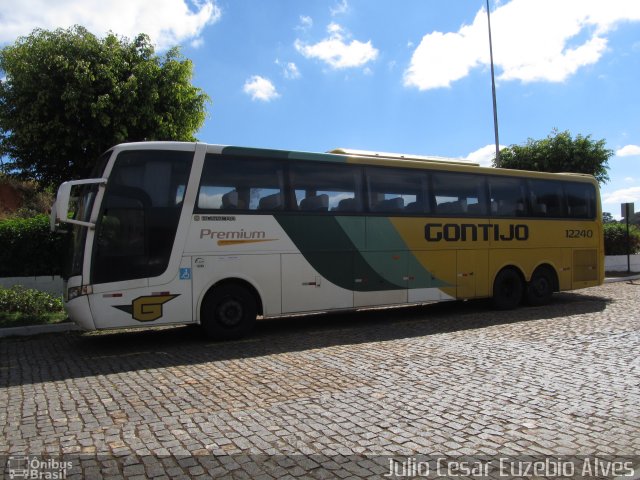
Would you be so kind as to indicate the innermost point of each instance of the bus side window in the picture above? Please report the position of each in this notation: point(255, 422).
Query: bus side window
point(580, 199)
point(547, 198)
point(459, 194)
point(324, 187)
point(507, 197)
point(236, 183)
point(395, 191)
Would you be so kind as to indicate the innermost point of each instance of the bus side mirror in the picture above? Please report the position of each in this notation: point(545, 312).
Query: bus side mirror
point(60, 208)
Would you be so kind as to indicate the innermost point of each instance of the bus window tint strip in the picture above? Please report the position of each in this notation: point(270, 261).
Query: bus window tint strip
point(264, 185)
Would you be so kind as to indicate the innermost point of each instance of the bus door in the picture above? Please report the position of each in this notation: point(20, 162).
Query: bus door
point(133, 241)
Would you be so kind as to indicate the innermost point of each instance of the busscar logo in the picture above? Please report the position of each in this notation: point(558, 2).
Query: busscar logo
point(147, 308)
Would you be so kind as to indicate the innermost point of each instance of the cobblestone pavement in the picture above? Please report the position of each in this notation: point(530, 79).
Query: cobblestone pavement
point(332, 396)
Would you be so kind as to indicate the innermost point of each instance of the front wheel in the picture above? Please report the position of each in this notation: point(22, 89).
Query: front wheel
point(507, 289)
point(228, 312)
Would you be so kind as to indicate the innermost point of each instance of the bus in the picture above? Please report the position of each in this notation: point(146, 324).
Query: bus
point(190, 233)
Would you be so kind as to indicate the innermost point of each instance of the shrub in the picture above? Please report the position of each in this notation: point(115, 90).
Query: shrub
point(28, 301)
point(615, 239)
point(28, 248)
point(32, 199)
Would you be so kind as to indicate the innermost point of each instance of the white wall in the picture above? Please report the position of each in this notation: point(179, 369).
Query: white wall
point(49, 284)
point(618, 263)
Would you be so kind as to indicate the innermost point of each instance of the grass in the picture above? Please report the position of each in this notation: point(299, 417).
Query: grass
point(18, 319)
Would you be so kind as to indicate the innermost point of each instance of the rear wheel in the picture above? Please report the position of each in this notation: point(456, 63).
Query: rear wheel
point(507, 289)
point(228, 312)
point(540, 288)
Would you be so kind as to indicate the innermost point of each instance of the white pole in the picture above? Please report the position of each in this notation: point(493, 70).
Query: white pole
point(493, 88)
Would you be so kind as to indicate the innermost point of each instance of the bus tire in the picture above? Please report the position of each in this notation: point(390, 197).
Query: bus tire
point(540, 287)
point(507, 289)
point(228, 312)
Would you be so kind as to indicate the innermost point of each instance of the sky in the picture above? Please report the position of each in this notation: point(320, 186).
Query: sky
point(407, 76)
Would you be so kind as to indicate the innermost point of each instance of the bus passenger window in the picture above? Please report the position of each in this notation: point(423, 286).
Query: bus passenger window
point(581, 199)
point(231, 183)
point(395, 191)
point(321, 187)
point(547, 199)
point(507, 197)
point(459, 195)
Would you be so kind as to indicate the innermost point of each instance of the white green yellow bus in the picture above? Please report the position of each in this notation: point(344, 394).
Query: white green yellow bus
point(190, 233)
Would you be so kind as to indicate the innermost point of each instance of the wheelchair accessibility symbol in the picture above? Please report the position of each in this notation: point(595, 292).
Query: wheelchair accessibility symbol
point(185, 274)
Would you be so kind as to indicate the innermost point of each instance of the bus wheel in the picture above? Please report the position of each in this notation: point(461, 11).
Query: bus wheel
point(507, 289)
point(228, 312)
point(540, 288)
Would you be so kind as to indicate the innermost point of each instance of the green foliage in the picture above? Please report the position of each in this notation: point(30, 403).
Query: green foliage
point(28, 248)
point(28, 301)
point(559, 152)
point(20, 306)
point(607, 218)
point(615, 239)
point(68, 96)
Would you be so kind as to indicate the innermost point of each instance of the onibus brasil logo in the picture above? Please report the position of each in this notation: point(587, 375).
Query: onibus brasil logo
point(30, 467)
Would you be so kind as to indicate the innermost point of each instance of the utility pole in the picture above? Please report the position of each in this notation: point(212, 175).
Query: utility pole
point(493, 87)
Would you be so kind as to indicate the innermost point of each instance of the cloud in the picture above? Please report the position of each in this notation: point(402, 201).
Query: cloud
point(628, 151)
point(260, 88)
point(306, 23)
point(533, 40)
point(623, 195)
point(341, 7)
point(336, 52)
point(291, 71)
point(167, 22)
point(483, 155)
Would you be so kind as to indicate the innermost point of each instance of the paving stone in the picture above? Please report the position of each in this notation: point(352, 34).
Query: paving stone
point(454, 379)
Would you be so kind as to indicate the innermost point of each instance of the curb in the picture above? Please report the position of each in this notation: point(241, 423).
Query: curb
point(622, 279)
point(29, 330)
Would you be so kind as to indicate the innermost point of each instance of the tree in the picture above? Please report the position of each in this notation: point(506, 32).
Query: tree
point(67, 96)
point(608, 218)
point(559, 152)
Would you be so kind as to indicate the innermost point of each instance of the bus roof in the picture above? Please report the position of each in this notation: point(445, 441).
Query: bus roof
point(400, 156)
point(360, 157)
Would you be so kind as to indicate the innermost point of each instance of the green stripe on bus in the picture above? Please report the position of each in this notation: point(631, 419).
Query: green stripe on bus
point(337, 248)
point(329, 250)
point(388, 254)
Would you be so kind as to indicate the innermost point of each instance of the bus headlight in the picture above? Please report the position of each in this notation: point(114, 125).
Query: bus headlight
point(75, 292)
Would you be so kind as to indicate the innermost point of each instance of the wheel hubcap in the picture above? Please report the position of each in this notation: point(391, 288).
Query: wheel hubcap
point(540, 287)
point(230, 312)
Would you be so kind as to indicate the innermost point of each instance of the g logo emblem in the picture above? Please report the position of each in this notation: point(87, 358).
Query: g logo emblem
point(148, 308)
